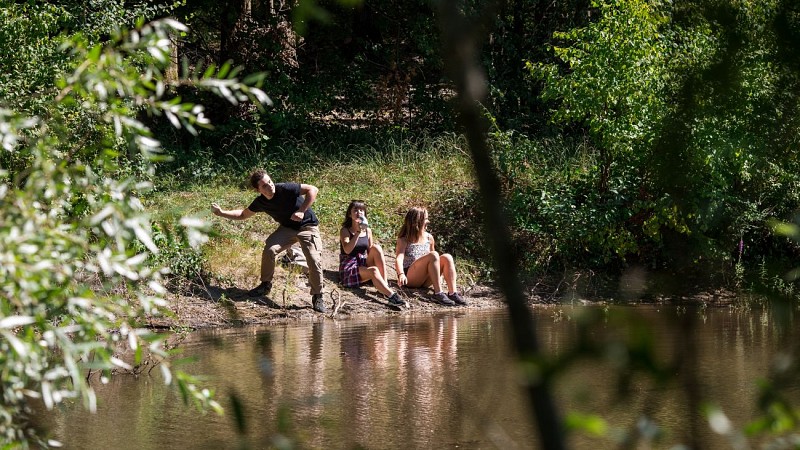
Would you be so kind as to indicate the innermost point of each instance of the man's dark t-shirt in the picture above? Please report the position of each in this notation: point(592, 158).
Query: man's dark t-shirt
point(284, 203)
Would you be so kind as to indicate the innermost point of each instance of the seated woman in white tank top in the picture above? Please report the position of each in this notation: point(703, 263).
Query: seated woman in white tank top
point(418, 263)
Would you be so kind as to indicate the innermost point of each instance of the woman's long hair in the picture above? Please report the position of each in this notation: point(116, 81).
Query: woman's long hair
point(357, 204)
point(413, 224)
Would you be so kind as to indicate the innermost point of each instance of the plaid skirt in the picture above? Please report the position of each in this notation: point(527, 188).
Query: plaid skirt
point(348, 268)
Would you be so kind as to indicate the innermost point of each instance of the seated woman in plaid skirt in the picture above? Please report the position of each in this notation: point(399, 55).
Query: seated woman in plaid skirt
point(360, 259)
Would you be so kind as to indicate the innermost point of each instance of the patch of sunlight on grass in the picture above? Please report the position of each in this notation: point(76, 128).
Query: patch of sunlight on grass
point(234, 260)
point(390, 185)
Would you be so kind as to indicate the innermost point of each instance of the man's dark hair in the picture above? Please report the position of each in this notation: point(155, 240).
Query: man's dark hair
point(256, 176)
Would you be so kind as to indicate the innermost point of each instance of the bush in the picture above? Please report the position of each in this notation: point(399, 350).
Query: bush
point(74, 239)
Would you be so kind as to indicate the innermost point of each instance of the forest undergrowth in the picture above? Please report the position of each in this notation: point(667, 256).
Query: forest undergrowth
point(398, 172)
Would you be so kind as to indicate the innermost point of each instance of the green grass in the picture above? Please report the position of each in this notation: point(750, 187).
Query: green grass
point(432, 172)
point(390, 183)
point(559, 222)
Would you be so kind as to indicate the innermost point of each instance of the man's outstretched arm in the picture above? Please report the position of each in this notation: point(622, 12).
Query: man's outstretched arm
point(234, 214)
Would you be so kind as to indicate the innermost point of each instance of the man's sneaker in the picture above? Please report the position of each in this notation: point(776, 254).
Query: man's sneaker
point(317, 303)
point(261, 289)
point(441, 298)
point(395, 299)
point(457, 299)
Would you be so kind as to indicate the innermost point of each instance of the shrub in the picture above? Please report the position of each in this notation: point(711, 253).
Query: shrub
point(74, 239)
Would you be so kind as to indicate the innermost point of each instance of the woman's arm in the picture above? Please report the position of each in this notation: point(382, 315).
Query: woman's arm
point(400, 253)
point(432, 241)
point(348, 243)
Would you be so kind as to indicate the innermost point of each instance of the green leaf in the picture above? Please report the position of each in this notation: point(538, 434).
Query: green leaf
point(591, 424)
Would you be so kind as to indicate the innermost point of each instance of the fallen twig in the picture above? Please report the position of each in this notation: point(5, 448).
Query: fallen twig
point(337, 302)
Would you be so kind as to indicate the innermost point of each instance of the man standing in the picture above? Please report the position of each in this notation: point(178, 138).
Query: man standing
point(290, 205)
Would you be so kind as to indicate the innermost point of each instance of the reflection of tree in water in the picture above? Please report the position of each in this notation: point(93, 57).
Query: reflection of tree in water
point(380, 384)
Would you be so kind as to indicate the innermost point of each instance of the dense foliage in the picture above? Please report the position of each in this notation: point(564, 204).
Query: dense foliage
point(625, 133)
point(636, 130)
point(76, 283)
point(684, 110)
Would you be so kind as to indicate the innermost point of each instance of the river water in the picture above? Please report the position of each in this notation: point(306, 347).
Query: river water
point(442, 381)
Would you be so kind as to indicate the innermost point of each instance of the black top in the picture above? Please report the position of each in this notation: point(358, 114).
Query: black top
point(362, 245)
point(283, 204)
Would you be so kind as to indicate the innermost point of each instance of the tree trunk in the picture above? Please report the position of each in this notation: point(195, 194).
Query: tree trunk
point(460, 53)
point(171, 75)
point(230, 13)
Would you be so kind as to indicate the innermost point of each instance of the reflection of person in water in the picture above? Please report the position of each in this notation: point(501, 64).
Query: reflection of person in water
point(432, 373)
point(360, 258)
point(400, 377)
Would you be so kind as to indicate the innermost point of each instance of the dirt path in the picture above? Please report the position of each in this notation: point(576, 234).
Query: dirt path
point(221, 304)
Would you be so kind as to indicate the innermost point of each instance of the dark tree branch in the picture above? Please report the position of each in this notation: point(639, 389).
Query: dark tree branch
point(460, 52)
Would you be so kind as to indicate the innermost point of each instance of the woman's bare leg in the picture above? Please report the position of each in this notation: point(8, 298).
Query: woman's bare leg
point(435, 273)
point(448, 266)
point(373, 273)
point(425, 271)
point(376, 258)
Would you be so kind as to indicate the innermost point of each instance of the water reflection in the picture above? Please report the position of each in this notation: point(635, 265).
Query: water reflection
point(420, 382)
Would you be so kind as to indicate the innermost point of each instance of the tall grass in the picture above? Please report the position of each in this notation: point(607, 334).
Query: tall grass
point(561, 221)
point(391, 173)
point(392, 179)
point(390, 176)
